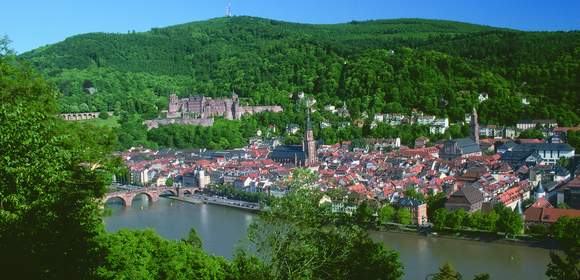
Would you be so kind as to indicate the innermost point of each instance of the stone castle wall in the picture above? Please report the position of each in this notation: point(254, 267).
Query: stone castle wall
point(257, 109)
point(151, 124)
point(207, 107)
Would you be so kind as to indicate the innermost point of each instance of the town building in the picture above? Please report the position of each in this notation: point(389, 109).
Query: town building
point(570, 194)
point(298, 155)
point(140, 176)
point(550, 152)
point(547, 216)
point(417, 208)
point(459, 148)
point(463, 147)
point(519, 158)
point(532, 124)
point(421, 142)
point(468, 198)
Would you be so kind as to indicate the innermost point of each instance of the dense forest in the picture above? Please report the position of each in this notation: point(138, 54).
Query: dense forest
point(381, 66)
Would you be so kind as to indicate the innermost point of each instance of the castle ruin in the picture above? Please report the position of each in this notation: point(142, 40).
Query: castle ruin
point(201, 107)
point(200, 110)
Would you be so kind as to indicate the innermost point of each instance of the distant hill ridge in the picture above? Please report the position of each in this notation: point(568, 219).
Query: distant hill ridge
point(146, 51)
point(436, 66)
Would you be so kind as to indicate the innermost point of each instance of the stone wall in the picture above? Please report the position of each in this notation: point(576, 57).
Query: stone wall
point(81, 116)
point(257, 109)
point(151, 124)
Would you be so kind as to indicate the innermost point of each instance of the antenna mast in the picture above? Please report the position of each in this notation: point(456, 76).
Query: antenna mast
point(229, 10)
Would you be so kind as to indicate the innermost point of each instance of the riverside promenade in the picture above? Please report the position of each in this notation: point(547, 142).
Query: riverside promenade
point(197, 198)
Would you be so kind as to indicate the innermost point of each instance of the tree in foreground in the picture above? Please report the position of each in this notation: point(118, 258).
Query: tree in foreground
point(404, 216)
point(447, 272)
point(482, 276)
point(300, 239)
point(566, 264)
point(386, 214)
point(145, 255)
point(51, 175)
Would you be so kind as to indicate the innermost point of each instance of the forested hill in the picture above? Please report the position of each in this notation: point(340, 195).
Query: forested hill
point(178, 49)
point(439, 67)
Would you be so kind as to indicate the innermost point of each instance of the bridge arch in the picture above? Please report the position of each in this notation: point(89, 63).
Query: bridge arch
point(150, 198)
point(169, 192)
point(116, 197)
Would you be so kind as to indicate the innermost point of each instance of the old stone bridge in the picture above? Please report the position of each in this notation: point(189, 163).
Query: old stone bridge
point(152, 194)
point(82, 116)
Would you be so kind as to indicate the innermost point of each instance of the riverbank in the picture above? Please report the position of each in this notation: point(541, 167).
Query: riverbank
point(223, 229)
point(476, 236)
point(548, 244)
point(197, 199)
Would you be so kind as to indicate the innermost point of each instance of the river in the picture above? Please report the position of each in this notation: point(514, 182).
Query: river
point(222, 229)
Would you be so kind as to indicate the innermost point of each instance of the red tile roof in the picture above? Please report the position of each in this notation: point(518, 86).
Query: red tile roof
point(542, 203)
point(510, 195)
point(548, 215)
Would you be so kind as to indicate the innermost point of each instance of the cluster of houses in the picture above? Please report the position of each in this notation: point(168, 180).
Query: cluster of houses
point(436, 125)
point(470, 176)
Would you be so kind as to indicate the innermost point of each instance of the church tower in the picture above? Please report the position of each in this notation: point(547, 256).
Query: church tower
point(474, 126)
point(310, 143)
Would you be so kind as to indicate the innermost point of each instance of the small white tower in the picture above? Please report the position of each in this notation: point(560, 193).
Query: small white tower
point(540, 192)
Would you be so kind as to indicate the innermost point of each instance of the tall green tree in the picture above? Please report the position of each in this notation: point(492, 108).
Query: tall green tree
point(566, 265)
point(50, 181)
point(386, 214)
point(447, 272)
point(403, 216)
point(300, 239)
point(145, 255)
point(509, 222)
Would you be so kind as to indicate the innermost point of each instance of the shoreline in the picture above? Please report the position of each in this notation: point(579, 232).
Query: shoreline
point(200, 199)
point(546, 244)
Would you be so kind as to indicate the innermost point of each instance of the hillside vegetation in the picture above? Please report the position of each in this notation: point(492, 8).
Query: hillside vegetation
point(439, 67)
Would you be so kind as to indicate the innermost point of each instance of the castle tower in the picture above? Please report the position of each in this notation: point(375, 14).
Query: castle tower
point(474, 126)
point(173, 103)
point(236, 113)
point(310, 143)
point(229, 109)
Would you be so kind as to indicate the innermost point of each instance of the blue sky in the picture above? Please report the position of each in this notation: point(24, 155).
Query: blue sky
point(34, 23)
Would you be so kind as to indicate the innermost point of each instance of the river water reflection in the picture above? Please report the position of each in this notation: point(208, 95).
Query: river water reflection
point(222, 229)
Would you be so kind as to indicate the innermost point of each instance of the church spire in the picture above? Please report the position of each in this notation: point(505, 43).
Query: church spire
point(308, 122)
point(540, 192)
point(309, 142)
point(474, 126)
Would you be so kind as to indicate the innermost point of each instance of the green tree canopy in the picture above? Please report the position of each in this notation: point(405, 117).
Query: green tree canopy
point(447, 272)
point(567, 265)
point(301, 239)
point(403, 216)
point(386, 214)
point(51, 175)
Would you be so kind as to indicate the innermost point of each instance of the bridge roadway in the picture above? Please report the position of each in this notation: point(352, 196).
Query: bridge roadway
point(153, 193)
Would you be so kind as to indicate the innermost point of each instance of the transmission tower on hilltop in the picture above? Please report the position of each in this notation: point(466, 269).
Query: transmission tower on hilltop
point(229, 10)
